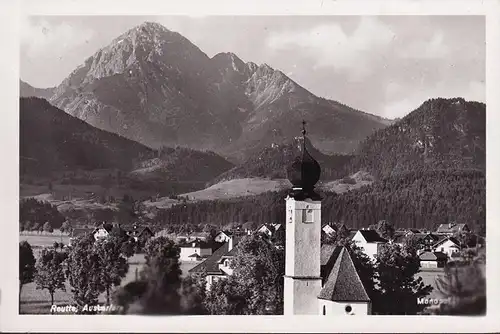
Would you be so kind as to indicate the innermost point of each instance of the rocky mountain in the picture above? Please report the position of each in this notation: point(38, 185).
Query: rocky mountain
point(26, 90)
point(440, 134)
point(53, 141)
point(154, 86)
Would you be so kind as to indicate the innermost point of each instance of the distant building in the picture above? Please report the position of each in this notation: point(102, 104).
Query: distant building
point(329, 230)
point(102, 232)
point(218, 265)
point(370, 241)
point(452, 228)
point(141, 234)
point(195, 250)
point(447, 245)
point(271, 230)
point(433, 259)
point(223, 236)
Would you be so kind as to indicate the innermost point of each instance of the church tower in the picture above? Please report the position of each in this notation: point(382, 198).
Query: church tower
point(302, 282)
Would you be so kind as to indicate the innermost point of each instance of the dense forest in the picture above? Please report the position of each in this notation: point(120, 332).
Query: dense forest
point(412, 200)
point(440, 134)
point(272, 161)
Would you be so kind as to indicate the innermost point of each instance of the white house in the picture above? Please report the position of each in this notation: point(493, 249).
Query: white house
point(195, 251)
point(432, 259)
point(223, 236)
point(269, 229)
point(370, 241)
point(329, 230)
point(448, 246)
point(102, 232)
point(218, 265)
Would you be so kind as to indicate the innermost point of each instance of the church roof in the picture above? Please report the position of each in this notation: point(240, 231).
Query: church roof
point(304, 173)
point(341, 280)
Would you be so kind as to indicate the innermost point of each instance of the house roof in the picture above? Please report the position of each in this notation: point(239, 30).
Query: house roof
point(433, 256)
point(342, 281)
point(210, 265)
point(194, 255)
point(452, 239)
point(195, 244)
point(372, 236)
point(447, 228)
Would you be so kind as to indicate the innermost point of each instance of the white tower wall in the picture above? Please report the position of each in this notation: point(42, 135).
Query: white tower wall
point(302, 282)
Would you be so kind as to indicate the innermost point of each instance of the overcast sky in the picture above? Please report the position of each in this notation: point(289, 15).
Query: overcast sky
point(385, 65)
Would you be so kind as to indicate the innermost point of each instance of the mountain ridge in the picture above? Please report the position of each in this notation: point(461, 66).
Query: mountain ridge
point(154, 86)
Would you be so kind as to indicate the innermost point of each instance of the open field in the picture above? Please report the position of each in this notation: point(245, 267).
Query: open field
point(40, 240)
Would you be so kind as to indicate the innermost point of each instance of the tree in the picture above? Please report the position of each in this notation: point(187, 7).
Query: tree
point(398, 287)
point(26, 265)
point(411, 244)
point(47, 227)
point(385, 229)
point(256, 286)
point(162, 275)
point(464, 285)
point(84, 272)
point(193, 292)
point(35, 227)
point(114, 265)
point(65, 227)
point(50, 272)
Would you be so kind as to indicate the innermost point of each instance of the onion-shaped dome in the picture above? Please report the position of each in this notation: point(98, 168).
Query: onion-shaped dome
point(304, 173)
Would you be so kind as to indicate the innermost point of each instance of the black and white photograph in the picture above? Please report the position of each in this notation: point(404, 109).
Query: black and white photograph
point(273, 165)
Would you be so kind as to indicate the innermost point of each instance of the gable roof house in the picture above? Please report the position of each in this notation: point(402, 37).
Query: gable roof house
point(448, 245)
point(433, 259)
point(217, 266)
point(102, 231)
point(452, 228)
point(223, 236)
point(342, 289)
point(329, 230)
point(370, 241)
point(195, 250)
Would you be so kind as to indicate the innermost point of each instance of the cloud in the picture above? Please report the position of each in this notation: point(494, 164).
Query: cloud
point(46, 39)
point(331, 47)
point(433, 49)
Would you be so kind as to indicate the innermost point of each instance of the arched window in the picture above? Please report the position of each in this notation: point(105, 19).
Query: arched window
point(348, 309)
point(324, 310)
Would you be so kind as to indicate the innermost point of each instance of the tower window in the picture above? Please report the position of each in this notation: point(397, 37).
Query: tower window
point(348, 309)
point(324, 310)
point(308, 216)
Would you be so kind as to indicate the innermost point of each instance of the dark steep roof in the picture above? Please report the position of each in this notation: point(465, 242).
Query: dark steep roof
point(342, 281)
point(211, 264)
point(372, 236)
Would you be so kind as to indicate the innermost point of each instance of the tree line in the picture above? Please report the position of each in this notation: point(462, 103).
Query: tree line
point(418, 199)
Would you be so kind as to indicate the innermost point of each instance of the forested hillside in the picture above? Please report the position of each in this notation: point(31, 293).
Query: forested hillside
point(440, 134)
point(417, 199)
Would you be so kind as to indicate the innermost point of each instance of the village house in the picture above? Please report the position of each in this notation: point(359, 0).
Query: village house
point(447, 246)
point(223, 236)
point(217, 266)
point(452, 228)
point(195, 250)
point(329, 230)
point(102, 232)
point(271, 230)
point(433, 259)
point(370, 241)
point(141, 234)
